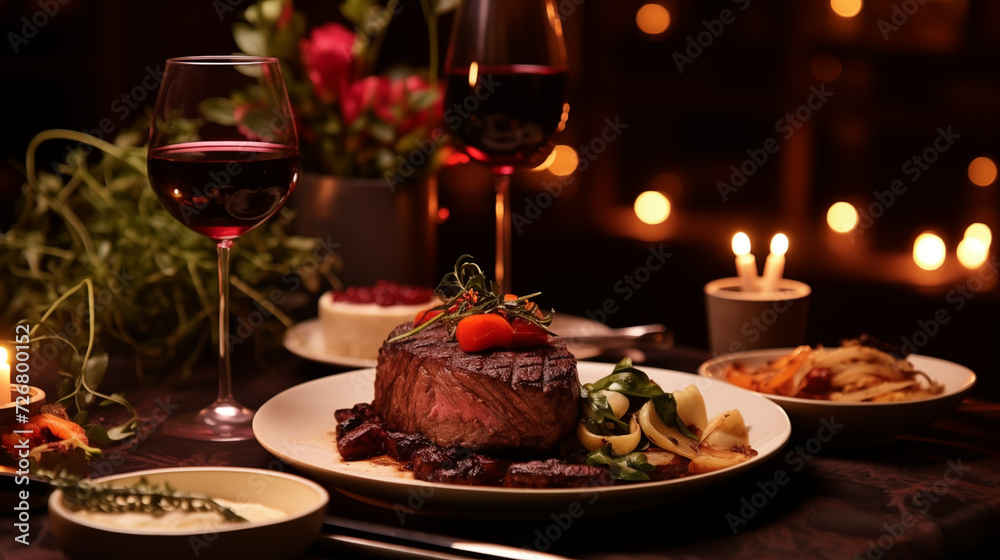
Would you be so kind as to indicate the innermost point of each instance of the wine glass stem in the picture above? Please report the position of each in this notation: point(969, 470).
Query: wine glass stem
point(225, 379)
point(502, 183)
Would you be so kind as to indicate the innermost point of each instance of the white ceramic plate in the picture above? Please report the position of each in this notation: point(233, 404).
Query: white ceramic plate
point(305, 339)
point(303, 501)
point(297, 426)
point(863, 422)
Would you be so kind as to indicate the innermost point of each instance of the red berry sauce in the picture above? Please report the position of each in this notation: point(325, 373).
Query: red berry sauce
point(385, 293)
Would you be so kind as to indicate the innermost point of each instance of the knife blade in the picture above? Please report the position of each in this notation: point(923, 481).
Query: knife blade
point(376, 538)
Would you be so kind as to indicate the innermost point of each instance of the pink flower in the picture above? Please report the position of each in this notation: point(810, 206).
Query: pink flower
point(329, 60)
point(361, 96)
point(392, 101)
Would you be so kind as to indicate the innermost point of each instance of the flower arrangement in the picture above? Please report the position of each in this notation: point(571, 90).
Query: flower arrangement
point(353, 122)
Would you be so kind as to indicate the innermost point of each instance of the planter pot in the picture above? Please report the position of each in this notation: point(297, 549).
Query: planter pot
point(379, 233)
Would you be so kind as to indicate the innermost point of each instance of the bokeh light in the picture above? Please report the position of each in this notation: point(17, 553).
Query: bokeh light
point(842, 217)
point(982, 171)
point(652, 19)
point(652, 207)
point(846, 8)
point(928, 251)
point(972, 252)
point(981, 232)
point(562, 161)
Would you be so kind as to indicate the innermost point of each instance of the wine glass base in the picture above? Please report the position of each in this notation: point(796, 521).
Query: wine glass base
point(218, 422)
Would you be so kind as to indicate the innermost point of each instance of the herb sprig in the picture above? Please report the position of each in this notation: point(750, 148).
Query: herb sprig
point(466, 291)
point(142, 497)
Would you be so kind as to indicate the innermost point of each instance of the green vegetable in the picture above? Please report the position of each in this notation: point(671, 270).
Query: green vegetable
point(631, 467)
point(93, 256)
point(628, 380)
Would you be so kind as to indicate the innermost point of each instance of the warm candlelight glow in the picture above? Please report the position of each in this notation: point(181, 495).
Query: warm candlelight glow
point(846, 8)
point(928, 251)
point(4, 377)
point(981, 232)
point(564, 160)
point(982, 171)
point(842, 217)
point(652, 19)
point(741, 244)
point(652, 207)
point(779, 244)
point(774, 266)
point(746, 263)
point(972, 252)
point(473, 74)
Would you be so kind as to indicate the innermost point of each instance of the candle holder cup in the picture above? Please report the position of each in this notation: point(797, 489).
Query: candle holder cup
point(32, 400)
point(740, 320)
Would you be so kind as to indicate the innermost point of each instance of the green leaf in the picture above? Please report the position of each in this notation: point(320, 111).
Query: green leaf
point(271, 9)
point(249, 40)
point(632, 466)
point(354, 10)
point(445, 6)
point(94, 369)
point(218, 110)
point(666, 408)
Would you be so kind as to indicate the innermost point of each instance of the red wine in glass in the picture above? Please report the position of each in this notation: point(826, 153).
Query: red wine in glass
point(223, 189)
point(506, 73)
point(221, 178)
point(505, 119)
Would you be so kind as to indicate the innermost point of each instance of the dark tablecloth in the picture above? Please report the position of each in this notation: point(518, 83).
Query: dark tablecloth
point(934, 493)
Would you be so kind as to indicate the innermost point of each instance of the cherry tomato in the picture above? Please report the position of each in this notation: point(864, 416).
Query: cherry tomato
point(528, 334)
point(425, 315)
point(480, 332)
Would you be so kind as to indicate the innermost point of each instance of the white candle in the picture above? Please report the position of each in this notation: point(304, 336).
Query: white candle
point(746, 263)
point(4, 377)
point(774, 266)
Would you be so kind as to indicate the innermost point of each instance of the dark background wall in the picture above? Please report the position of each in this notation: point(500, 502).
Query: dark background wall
point(685, 127)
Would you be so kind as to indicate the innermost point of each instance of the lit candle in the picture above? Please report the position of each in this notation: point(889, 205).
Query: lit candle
point(746, 263)
point(4, 377)
point(774, 266)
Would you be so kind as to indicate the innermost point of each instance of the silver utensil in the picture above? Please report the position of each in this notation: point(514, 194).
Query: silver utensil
point(382, 540)
point(640, 336)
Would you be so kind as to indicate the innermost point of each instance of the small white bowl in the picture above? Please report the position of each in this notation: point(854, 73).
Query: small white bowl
point(854, 423)
point(302, 500)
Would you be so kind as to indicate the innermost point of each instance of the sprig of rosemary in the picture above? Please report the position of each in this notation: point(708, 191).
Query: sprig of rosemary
point(466, 291)
point(142, 497)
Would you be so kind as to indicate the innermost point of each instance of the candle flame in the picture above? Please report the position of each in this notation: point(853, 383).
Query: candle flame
point(741, 243)
point(3, 355)
point(473, 74)
point(779, 244)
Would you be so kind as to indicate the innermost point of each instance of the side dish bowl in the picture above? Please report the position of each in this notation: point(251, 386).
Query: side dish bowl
point(302, 501)
point(852, 423)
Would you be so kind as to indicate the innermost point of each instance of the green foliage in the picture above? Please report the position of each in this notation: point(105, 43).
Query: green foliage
point(95, 223)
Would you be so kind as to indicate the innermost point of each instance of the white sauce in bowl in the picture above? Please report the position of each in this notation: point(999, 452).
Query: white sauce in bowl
point(178, 520)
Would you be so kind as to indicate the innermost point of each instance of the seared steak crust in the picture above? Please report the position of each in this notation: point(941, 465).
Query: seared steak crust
point(523, 400)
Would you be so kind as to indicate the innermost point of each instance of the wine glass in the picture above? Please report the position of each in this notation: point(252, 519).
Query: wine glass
point(506, 74)
point(223, 158)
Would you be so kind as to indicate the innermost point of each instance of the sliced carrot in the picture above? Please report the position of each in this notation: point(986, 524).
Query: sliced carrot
point(739, 376)
point(799, 357)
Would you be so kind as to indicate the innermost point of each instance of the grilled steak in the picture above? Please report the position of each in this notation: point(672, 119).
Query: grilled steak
point(553, 473)
point(499, 400)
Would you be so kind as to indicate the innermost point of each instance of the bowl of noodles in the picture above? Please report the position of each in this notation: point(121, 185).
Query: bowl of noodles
point(849, 394)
